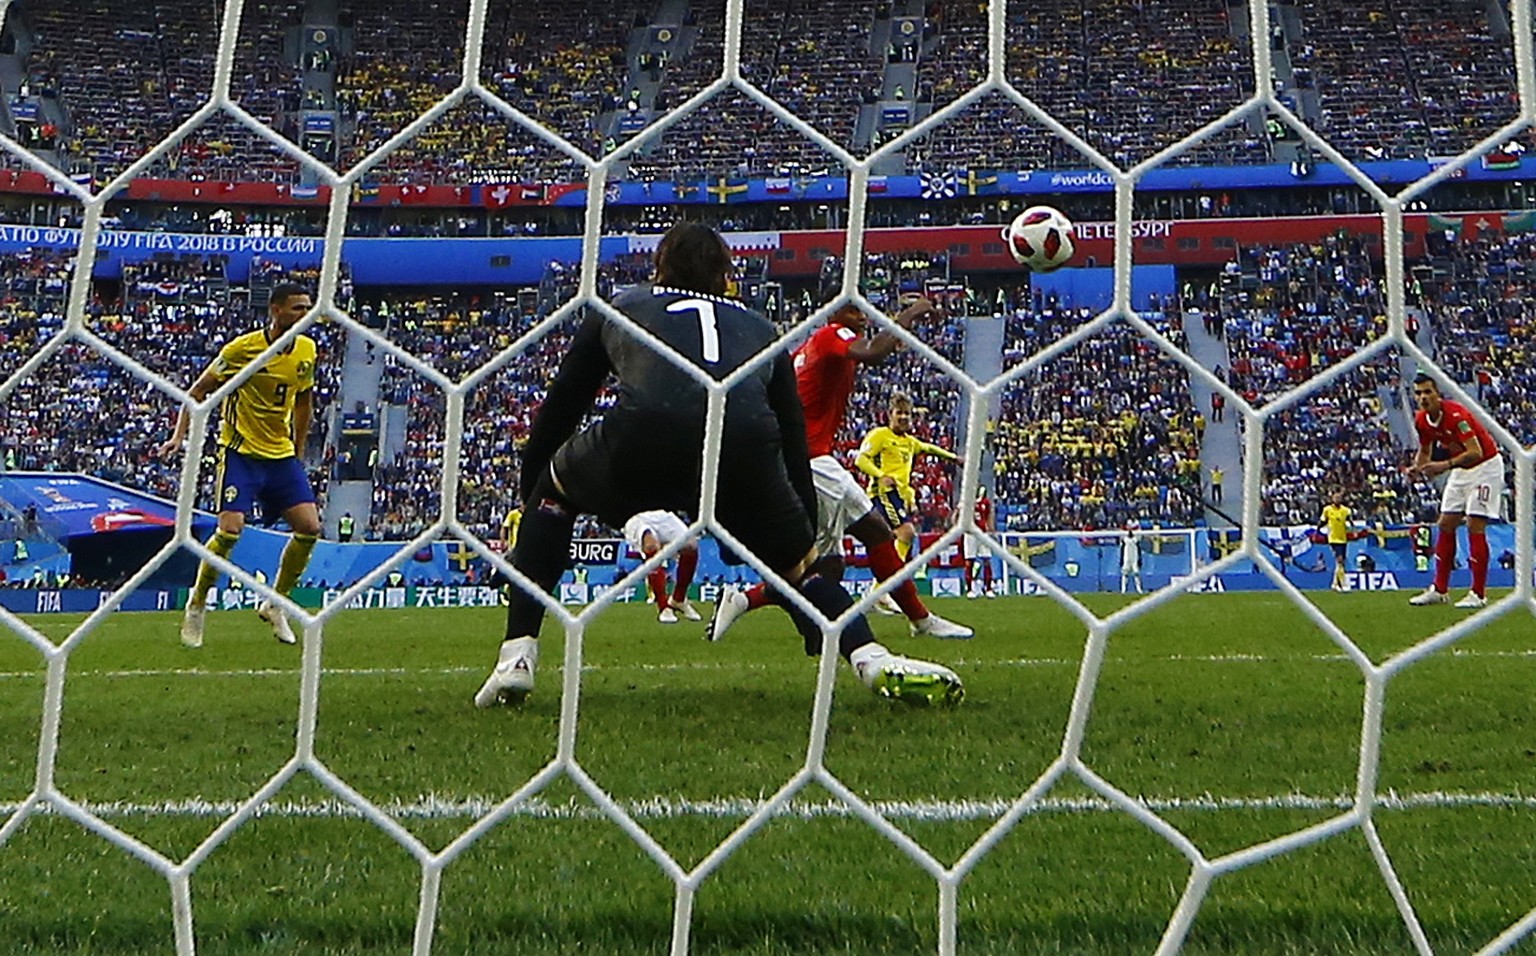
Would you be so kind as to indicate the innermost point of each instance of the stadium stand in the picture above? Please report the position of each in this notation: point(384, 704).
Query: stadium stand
point(457, 334)
point(1408, 77)
point(1340, 438)
point(82, 412)
point(813, 58)
point(1399, 79)
point(1480, 313)
point(127, 76)
point(1130, 78)
point(1311, 306)
point(564, 65)
point(1073, 453)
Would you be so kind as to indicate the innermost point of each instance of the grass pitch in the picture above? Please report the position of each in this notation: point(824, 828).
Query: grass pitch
point(1230, 715)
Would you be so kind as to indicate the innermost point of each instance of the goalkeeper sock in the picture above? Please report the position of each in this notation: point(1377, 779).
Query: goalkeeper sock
point(295, 558)
point(885, 562)
point(543, 552)
point(829, 598)
point(221, 544)
point(657, 579)
point(1477, 561)
point(687, 563)
point(1445, 557)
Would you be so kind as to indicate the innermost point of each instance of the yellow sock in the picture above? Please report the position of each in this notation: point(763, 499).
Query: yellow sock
point(295, 559)
point(207, 575)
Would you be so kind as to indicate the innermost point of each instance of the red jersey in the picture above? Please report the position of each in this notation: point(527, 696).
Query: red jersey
point(824, 378)
point(984, 514)
point(1455, 427)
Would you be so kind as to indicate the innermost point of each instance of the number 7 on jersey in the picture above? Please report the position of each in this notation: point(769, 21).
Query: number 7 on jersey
point(709, 329)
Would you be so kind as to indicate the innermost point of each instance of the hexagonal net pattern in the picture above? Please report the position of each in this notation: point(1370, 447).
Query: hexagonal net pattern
point(47, 797)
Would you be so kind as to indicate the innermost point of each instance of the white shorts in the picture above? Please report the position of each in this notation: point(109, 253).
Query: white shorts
point(666, 526)
point(975, 546)
point(1476, 490)
point(839, 503)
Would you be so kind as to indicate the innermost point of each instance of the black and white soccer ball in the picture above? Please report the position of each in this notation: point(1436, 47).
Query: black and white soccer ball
point(1041, 237)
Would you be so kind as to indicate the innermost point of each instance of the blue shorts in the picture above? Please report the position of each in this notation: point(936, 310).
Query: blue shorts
point(278, 483)
point(892, 507)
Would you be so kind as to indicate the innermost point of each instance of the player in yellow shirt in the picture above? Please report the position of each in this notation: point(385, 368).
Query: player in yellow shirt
point(509, 526)
point(886, 456)
point(263, 426)
point(1336, 520)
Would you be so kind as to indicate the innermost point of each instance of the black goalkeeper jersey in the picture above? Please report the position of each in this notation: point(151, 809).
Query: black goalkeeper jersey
point(660, 407)
point(716, 334)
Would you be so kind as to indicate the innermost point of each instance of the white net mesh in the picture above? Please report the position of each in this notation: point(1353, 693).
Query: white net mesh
point(949, 878)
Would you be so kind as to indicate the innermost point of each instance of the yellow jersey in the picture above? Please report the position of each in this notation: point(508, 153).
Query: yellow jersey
point(510, 525)
point(257, 417)
point(1336, 518)
point(885, 454)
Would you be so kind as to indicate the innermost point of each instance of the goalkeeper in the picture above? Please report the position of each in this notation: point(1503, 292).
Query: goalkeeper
point(646, 452)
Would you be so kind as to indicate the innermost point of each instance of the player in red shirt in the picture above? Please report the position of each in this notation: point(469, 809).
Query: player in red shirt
point(976, 552)
point(824, 370)
point(1473, 490)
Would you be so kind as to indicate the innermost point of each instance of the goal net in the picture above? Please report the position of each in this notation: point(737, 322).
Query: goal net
point(1015, 555)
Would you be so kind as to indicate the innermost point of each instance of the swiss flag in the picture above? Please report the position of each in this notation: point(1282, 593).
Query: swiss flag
point(495, 197)
point(1475, 224)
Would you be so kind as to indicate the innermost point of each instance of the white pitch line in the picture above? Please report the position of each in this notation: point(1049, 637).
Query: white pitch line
point(433, 806)
point(383, 671)
point(788, 662)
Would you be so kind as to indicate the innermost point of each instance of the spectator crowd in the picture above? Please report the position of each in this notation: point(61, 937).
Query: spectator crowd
point(1390, 79)
point(1100, 436)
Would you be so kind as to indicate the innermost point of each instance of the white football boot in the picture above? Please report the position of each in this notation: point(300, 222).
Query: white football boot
point(1429, 596)
point(731, 605)
point(935, 626)
point(512, 680)
point(273, 615)
point(907, 679)
point(192, 625)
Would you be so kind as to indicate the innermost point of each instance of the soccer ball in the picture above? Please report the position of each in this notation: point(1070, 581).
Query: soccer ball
point(1041, 238)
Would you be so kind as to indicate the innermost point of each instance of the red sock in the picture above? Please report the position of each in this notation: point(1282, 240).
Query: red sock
point(970, 574)
point(885, 562)
point(687, 561)
point(986, 573)
point(1445, 556)
point(758, 595)
point(1477, 560)
point(658, 582)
